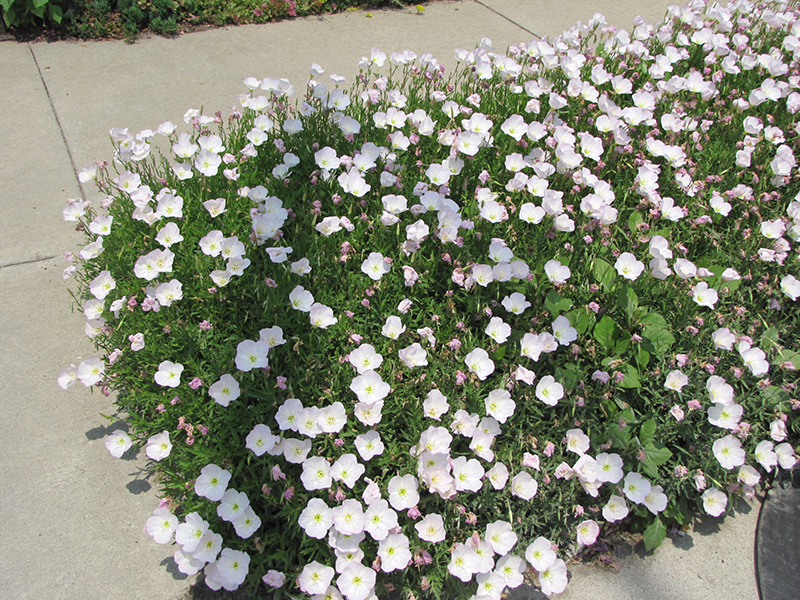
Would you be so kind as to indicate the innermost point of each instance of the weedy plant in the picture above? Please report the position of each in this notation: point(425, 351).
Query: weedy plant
point(435, 333)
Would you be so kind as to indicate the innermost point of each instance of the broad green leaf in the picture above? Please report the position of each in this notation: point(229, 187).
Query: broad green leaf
point(628, 301)
point(647, 430)
point(56, 13)
point(622, 344)
point(568, 376)
point(659, 339)
point(774, 395)
point(626, 415)
point(657, 452)
point(499, 353)
point(604, 273)
point(556, 304)
point(634, 221)
point(620, 438)
point(787, 356)
point(770, 338)
point(642, 358)
point(581, 319)
point(39, 3)
point(653, 319)
point(654, 534)
point(604, 332)
point(631, 378)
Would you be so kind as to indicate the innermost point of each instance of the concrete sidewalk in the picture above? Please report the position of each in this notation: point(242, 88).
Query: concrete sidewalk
point(72, 516)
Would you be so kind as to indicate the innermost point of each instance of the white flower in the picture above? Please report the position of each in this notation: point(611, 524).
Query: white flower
point(563, 331)
point(500, 536)
point(765, 455)
point(321, 316)
point(357, 582)
point(556, 272)
point(676, 380)
point(587, 532)
point(636, 488)
point(478, 362)
point(161, 525)
point(316, 474)
point(524, 486)
point(369, 444)
point(403, 492)
point(247, 523)
point(212, 482)
point(540, 554)
point(261, 440)
point(393, 327)
point(554, 579)
point(516, 303)
point(168, 374)
point(549, 391)
point(158, 446)
point(225, 390)
point(394, 552)
point(714, 501)
point(790, 286)
point(300, 299)
point(315, 578)
point(364, 358)
point(118, 443)
point(615, 509)
point(251, 355)
point(609, 467)
point(500, 405)
point(414, 356)
point(369, 387)
point(232, 505)
point(431, 528)
point(729, 452)
point(347, 469)
point(464, 562)
point(498, 330)
point(628, 267)
point(348, 517)
point(316, 518)
point(379, 519)
point(704, 295)
point(374, 266)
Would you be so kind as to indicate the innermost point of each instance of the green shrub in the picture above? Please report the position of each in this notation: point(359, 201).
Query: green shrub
point(27, 13)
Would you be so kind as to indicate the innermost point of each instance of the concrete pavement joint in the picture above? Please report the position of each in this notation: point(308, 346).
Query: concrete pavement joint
point(510, 20)
point(58, 122)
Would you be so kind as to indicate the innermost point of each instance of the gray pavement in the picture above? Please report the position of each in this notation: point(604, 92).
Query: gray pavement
point(71, 515)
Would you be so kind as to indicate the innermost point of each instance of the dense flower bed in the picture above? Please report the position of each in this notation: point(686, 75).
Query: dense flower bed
point(435, 332)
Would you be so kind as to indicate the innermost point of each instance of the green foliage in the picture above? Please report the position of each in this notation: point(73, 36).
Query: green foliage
point(31, 13)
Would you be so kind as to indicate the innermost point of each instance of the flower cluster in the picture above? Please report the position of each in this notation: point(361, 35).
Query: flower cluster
point(398, 335)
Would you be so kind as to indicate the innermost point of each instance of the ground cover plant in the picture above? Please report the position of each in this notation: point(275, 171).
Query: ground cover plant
point(435, 333)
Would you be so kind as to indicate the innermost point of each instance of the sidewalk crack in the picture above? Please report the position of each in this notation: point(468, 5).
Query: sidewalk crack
point(512, 21)
point(58, 123)
point(27, 262)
